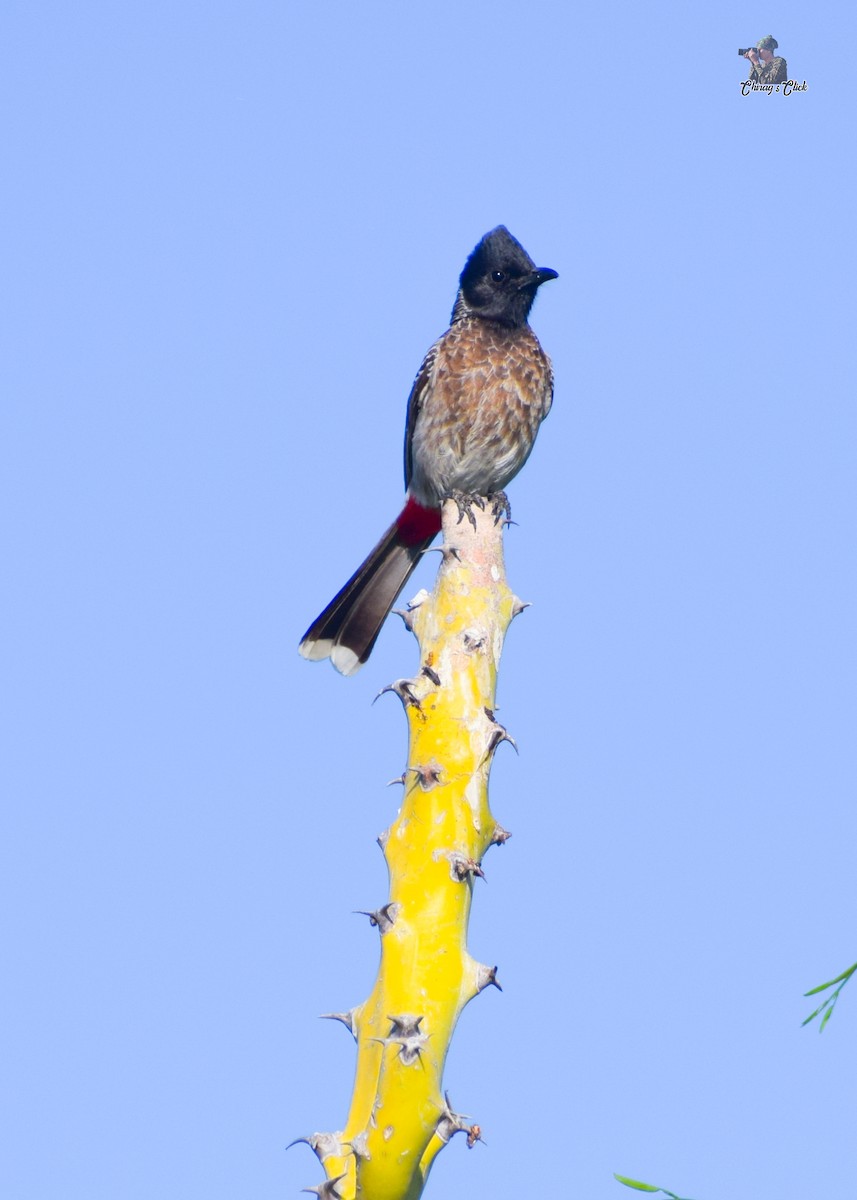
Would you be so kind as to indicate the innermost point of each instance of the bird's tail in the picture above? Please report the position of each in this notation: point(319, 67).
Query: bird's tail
point(348, 628)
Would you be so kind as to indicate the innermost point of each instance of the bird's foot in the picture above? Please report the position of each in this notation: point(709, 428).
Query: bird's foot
point(465, 502)
point(500, 507)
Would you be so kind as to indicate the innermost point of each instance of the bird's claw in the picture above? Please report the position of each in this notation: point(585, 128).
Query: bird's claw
point(497, 502)
point(465, 502)
point(500, 507)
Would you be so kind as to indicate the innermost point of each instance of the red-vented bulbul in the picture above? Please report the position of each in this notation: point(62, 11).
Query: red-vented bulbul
point(476, 405)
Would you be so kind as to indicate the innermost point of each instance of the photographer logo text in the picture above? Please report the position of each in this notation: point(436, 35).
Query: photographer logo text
point(749, 85)
point(769, 71)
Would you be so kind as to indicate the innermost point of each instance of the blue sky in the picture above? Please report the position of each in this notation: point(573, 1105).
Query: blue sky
point(231, 231)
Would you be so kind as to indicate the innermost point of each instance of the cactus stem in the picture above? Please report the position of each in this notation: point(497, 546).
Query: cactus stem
point(398, 1121)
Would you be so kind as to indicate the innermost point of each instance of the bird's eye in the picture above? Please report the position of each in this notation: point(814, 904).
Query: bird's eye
point(498, 276)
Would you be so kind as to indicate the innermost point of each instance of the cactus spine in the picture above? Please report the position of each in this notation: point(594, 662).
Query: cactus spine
point(399, 1119)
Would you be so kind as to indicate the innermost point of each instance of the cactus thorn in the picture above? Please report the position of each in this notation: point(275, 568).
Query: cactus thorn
point(399, 779)
point(500, 836)
point(347, 1019)
point(499, 735)
point(461, 867)
point(474, 639)
point(428, 775)
point(518, 606)
point(407, 618)
point(450, 1122)
point(384, 836)
point(404, 690)
point(405, 1034)
point(322, 1144)
point(405, 1024)
point(432, 675)
point(410, 1049)
point(381, 918)
point(487, 977)
point(451, 1110)
point(329, 1190)
point(360, 1146)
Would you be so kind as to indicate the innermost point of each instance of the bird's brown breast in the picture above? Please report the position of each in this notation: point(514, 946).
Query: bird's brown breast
point(489, 388)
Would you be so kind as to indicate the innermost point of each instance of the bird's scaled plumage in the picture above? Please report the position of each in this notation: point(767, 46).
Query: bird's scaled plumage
point(474, 410)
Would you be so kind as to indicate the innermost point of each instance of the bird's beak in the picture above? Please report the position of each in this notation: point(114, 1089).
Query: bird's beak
point(538, 277)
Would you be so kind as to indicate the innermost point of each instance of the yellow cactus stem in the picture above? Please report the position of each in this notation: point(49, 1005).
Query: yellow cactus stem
point(399, 1118)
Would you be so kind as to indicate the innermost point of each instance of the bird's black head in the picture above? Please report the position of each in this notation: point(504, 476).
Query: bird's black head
point(499, 281)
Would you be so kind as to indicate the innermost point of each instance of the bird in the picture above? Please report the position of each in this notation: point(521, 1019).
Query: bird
point(477, 402)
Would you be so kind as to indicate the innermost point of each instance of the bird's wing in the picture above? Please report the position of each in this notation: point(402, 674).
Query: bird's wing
point(422, 383)
point(548, 386)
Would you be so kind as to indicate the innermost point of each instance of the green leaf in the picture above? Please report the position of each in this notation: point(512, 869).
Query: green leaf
point(839, 979)
point(645, 1187)
point(825, 1018)
point(812, 1016)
